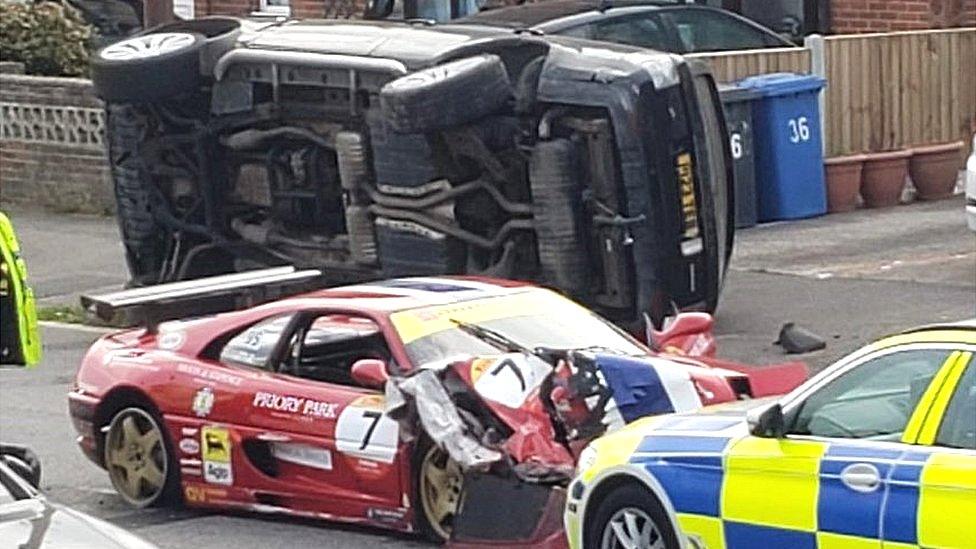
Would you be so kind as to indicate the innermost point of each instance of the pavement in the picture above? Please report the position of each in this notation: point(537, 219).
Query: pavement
point(849, 277)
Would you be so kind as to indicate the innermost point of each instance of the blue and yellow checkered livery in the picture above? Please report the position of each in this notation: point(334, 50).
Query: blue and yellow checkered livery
point(746, 492)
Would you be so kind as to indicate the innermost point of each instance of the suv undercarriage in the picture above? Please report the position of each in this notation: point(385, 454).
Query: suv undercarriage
point(380, 150)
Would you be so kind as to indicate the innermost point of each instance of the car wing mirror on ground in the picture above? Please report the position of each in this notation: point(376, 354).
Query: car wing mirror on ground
point(369, 372)
point(767, 422)
point(378, 9)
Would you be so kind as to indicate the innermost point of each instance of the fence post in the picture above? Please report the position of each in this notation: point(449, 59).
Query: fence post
point(818, 66)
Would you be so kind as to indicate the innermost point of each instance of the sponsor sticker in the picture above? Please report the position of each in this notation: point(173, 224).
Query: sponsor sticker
point(189, 446)
point(385, 515)
point(303, 454)
point(202, 494)
point(216, 449)
point(209, 374)
point(295, 405)
point(203, 402)
point(171, 341)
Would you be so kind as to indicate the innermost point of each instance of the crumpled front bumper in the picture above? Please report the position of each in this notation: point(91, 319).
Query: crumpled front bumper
point(506, 513)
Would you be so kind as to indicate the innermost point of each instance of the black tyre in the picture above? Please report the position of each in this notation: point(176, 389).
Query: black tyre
point(629, 516)
point(140, 460)
point(400, 160)
point(557, 207)
point(143, 238)
point(447, 95)
point(148, 67)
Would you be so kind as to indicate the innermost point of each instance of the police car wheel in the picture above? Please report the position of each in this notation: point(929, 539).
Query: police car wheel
point(138, 458)
point(630, 517)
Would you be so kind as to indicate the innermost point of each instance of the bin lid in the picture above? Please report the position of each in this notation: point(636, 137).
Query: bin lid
point(782, 83)
point(730, 93)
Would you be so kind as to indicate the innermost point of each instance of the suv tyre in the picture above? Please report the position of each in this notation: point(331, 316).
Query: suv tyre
point(448, 95)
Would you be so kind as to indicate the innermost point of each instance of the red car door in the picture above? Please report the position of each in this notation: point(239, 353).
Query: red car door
point(303, 435)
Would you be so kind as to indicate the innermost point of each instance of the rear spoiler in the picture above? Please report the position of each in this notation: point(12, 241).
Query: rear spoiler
point(154, 304)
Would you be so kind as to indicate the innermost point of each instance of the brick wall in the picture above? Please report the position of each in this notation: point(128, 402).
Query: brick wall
point(51, 148)
point(299, 8)
point(855, 16)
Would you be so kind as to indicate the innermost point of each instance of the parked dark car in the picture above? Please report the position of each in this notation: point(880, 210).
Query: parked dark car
point(664, 26)
point(386, 149)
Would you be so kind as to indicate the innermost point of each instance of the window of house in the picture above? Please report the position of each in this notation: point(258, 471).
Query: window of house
point(277, 7)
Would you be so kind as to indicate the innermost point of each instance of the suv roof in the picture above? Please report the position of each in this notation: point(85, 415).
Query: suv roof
point(416, 44)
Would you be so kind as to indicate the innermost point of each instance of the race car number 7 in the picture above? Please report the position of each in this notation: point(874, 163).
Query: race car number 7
point(375, 416)
point(364, 431)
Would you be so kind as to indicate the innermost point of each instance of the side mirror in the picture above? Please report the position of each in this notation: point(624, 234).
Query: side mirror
point(369, 372)
point(378, 9)
point(767, 422)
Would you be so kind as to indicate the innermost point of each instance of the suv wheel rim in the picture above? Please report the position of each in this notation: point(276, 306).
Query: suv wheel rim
point(150, 45)
point(631, 528)
point(440, 490)
point(136, 457)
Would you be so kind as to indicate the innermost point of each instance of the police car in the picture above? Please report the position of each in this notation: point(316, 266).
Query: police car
point(878, 450)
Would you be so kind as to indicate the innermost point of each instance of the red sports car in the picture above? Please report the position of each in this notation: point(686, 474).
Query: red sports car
point(491, 389)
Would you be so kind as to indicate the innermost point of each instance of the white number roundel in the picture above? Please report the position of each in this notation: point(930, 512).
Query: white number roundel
point(364, 431)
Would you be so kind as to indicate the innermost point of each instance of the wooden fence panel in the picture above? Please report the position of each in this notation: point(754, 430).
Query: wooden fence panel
point(728, 66)
point(884, 91)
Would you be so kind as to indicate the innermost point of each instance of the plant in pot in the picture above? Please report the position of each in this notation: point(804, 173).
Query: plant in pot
point(843, 182)
point(934, 169)
point(883, 178)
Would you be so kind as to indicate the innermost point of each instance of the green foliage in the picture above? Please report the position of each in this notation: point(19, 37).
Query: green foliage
point(47, 37)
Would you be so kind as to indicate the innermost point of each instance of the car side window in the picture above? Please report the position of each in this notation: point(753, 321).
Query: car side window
point(702, 30)
point(328, 347)
point(644, 31)
point(253, 346)
point(873, 400)
point(958, 428)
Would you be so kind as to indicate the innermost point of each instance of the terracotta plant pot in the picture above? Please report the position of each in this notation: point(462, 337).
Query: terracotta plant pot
point(884, 178)
point(934, 169)
point(843, 182)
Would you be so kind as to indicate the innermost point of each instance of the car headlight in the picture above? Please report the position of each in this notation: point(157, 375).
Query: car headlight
point(587, 459)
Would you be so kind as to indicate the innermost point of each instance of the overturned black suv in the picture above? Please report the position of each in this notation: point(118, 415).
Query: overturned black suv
point(381, 149)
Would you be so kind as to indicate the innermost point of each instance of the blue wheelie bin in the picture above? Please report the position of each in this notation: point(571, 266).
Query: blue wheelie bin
point(737, 105)
point(789, 151)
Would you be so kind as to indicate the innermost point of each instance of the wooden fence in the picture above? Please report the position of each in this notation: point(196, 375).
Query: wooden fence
point(884, 91)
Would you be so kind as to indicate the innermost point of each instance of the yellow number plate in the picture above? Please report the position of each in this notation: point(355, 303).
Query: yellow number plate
point(686, 185)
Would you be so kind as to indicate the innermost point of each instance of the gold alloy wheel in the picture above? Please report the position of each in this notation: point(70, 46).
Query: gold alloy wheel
point(135, 457)
point(440, 490)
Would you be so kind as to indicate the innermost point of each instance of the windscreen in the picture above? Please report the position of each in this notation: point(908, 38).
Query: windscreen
point(537, 318)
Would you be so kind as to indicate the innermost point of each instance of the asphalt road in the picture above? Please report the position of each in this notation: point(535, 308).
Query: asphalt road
point(850, 278)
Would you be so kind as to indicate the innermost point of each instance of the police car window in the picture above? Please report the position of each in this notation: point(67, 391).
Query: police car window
point(254, 346)
point(872, 401)
point(327, 348)
point(958, 429)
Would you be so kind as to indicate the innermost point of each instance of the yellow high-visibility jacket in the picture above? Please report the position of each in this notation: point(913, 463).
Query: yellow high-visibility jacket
point(20, 341)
